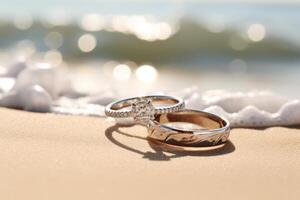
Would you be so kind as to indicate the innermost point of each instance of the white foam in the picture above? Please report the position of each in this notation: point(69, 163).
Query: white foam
point(45, 88)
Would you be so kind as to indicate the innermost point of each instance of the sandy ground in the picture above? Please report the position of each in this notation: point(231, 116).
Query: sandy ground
point(47, 156)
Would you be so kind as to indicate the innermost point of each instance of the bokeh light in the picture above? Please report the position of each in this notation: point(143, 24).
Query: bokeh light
point(25, 48)
point(143, 27)
point(163, 31)
point(146, 73)
point(53, 57)
point(58, 17)
point(122, 72)
point(120, 23)
point(92, 22)
point(256, 32)
point(87, 42)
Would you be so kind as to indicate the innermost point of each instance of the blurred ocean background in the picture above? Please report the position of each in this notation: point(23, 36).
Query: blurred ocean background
point(144, 46)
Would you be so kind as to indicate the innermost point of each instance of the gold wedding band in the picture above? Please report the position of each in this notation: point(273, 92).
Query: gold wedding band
point(189, 128)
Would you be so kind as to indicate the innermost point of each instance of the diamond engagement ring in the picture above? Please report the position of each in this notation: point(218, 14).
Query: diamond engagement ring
point(143, 109)
point(189, 129)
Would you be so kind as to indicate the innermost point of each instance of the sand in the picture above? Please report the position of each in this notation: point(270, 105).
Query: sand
point(48, 156)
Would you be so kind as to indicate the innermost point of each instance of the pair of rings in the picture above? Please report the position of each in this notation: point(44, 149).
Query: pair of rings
point(168, 122)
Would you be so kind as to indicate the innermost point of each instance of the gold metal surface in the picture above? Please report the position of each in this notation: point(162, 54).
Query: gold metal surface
point(210, 129)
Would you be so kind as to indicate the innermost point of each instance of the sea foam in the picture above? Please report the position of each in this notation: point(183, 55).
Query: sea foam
point(45, 88)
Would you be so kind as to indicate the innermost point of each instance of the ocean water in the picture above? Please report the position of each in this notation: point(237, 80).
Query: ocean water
point(197, 27)
point(234, 46)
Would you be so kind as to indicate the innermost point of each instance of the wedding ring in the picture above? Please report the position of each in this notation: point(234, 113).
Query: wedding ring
point(143, 109)
point(189, 128)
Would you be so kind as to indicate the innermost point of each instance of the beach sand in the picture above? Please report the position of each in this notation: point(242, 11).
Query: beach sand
point(48, 156)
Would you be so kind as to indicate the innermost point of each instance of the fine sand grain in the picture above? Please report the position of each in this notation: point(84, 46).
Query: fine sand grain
point(47, 156)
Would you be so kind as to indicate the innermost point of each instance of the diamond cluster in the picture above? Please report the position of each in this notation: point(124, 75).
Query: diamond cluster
point(143, 110)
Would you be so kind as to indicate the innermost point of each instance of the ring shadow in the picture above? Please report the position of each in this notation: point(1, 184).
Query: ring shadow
point(159, 154)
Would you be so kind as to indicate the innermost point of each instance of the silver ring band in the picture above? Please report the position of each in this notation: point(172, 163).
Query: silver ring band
point(201, 129)
point(142, 109)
